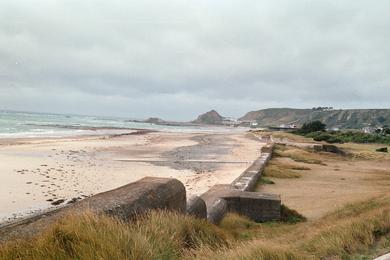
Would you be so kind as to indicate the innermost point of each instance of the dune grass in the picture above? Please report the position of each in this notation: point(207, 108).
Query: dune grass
point(280, 171)
point(297, 154)
point(364, 151)
point(352, 230)
point(251, 250)
point(300, 155)
point(278, 168)
point(356, 231)
point(158, 235)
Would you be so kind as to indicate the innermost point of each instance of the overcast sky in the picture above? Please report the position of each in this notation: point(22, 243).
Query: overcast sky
point(176, 59)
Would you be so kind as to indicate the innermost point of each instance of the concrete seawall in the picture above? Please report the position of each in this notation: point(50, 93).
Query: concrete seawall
point(248, 180)
point(239, 196)
point(257, 206)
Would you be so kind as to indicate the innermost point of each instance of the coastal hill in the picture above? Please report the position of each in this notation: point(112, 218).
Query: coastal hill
point(211, 118)
point(341, 118)
point(333, 118)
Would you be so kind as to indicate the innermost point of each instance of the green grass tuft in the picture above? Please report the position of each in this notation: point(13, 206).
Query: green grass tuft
point(290, 216)
point(264, 180)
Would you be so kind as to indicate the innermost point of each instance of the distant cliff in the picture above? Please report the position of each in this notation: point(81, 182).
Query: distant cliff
point(211, 118)
point(347, 118)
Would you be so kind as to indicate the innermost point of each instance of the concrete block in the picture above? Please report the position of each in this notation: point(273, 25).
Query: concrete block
point(138, 197)
point(217, 210)
point(196, 207)
point(124, 202)
point(256, 206)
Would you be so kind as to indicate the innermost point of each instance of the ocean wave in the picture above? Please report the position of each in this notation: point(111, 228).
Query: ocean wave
point(80, 127)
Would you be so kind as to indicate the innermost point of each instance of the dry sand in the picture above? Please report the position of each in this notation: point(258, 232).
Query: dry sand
point(38, 172)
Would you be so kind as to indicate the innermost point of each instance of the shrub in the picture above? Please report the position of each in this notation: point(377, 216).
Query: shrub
point(382, 150)
point(314, 126)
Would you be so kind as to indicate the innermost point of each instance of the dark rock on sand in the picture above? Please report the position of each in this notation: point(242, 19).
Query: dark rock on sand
point(58, 202)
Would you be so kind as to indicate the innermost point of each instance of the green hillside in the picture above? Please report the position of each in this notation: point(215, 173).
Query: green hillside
point(347, 118)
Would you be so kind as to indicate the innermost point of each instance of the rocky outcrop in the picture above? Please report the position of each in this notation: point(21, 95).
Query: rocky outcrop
point(154, 120)
point(210, 118)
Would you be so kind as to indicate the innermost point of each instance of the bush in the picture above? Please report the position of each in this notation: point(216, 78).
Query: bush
point(314, 126)
point(382, 150)
point(327, 138)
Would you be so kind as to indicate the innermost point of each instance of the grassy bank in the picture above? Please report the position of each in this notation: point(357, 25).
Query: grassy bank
point(357, 231)
point(299, 160)
point(158, 235)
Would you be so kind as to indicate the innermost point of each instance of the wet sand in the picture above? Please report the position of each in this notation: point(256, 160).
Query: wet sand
point(37, 174)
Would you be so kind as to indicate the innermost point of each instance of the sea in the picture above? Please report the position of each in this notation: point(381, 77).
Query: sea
point(15, 124)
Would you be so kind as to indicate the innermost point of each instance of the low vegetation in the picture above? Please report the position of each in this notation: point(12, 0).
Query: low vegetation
point(279, 167)
point(358, 231)
point(275, 170)
point(298, 155)
point(158, 235)
point(349, 137)
point(264, 180)
point(353, 150)
point(316, 130)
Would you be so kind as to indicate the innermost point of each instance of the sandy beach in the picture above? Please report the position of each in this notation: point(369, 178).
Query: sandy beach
point(37, 172)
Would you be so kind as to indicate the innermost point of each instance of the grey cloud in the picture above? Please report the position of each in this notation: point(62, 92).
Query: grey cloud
point(152, 57)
